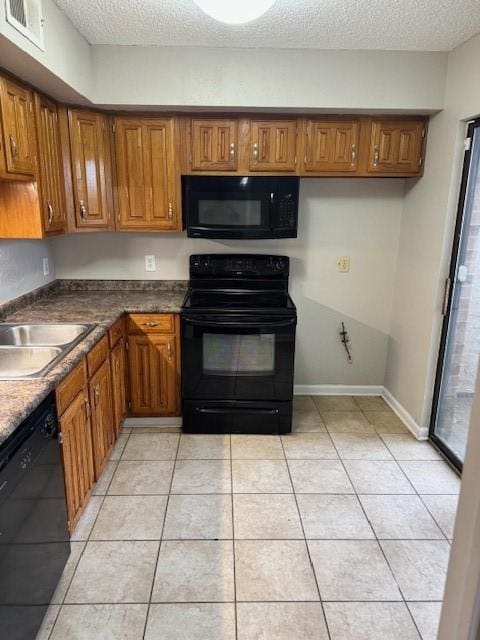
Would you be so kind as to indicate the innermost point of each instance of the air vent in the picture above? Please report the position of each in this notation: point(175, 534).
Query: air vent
point(26, 17)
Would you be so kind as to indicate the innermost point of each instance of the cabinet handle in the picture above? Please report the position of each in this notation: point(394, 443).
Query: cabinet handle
point(255, 151)
point(13, 146)
point(376, 157)
point(354, 155)
point(88, 409)
point(170, 211)
point(83, 210)
point(169, 351)
point(150, 324)
point(96, 393)
point(50, 212)
point(232, 149)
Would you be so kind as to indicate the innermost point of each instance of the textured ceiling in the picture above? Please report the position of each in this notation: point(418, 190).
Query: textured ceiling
point(428, 25)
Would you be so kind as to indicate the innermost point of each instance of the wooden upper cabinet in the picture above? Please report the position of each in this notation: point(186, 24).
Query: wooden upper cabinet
point(19, 145)
point(331, 146)
point(396, 146)
point(273, 145)
point(91, 166)
point(214, 145)
point(50, 166)
point(148, 179)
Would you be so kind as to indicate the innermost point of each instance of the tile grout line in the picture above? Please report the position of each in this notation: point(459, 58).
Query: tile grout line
point(379, 545)
point(233, 543)
point(85, 542)
point(417, 493)
point(161, 540)
point(306, 542)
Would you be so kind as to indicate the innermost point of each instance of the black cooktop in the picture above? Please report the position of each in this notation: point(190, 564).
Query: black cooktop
point(271, 301)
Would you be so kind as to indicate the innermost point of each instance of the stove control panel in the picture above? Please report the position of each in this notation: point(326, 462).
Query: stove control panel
point(231, 265)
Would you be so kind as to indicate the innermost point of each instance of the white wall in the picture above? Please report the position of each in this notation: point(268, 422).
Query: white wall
point(71, 69)
point(355, 217)
point(66, 58)
point(21, 268)
point(425, 241)
point(269, 78)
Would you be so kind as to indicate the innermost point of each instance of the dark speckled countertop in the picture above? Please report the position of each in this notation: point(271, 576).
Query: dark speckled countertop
point(100, 303)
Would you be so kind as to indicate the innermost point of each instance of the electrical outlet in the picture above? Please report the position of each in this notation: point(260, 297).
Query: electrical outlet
point(46, 267)
point(344, 264)
point(150, 263)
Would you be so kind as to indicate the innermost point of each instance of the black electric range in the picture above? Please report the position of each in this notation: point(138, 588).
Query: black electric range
point(238, 345)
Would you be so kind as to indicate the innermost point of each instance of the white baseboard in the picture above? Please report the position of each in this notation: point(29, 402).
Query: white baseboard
point(421, 433)
point(131, 423)
point(338, 390)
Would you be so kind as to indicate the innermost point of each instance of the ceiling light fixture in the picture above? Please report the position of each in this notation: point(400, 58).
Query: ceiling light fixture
point(234, 11)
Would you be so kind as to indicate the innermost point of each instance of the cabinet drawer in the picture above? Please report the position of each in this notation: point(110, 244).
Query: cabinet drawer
point(97, 355)
point(151, 323)
point(116, 331)
point(69, 388)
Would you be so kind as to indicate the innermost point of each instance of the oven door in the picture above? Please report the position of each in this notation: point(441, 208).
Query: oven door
point(227, 207)
point(237, 358)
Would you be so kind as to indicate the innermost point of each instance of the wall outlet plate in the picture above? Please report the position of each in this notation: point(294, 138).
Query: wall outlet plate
point(344, 264)
point(46, 267)
point(150, 263)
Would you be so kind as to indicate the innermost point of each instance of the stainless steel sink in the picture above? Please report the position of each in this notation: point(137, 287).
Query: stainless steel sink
point(45, 335)
point(31, 350)
point(25, 362)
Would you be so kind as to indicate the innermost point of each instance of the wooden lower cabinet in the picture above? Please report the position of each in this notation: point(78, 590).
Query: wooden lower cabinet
point(154, 364)
point(119, 391)
point(76, 431)
point(153, 375)
point(103, 428)
point(92, 401)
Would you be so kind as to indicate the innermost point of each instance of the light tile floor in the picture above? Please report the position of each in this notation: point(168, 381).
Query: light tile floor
point(339, 531)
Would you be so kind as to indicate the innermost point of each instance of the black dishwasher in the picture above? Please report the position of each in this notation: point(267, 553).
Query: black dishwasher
point(34, 538)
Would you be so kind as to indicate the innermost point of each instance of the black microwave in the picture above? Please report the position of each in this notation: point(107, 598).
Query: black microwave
point(247, 207)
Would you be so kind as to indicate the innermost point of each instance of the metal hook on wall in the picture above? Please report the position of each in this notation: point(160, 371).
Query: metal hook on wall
point(345, 340)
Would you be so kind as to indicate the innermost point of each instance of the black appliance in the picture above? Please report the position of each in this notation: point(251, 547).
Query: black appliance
point(240, 207)
point(238, 345)
point(34, 538)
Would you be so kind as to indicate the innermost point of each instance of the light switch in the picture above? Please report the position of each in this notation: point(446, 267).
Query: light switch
point(344, 264)
point(46, 267)
point(150, 263)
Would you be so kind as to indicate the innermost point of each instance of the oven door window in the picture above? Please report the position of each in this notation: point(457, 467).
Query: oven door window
point(239, 355)
point(225, 360)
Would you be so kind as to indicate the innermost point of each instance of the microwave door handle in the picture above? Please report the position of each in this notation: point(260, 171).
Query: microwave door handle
point(272, 211)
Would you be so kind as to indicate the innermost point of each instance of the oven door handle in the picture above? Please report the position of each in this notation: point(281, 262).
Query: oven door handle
point(240, 324)
point(271, 412)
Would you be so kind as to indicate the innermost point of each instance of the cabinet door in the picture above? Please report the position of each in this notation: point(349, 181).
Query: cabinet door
point(396, 146)
point(214, 145)
point(103, 430)
point(153, 374)
point(273, 145)
point(147, 176)
point(75, 427)
point(91, 165)
point(331, 146)
point(119, 392)
point(20, 145)
point(52, 191)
